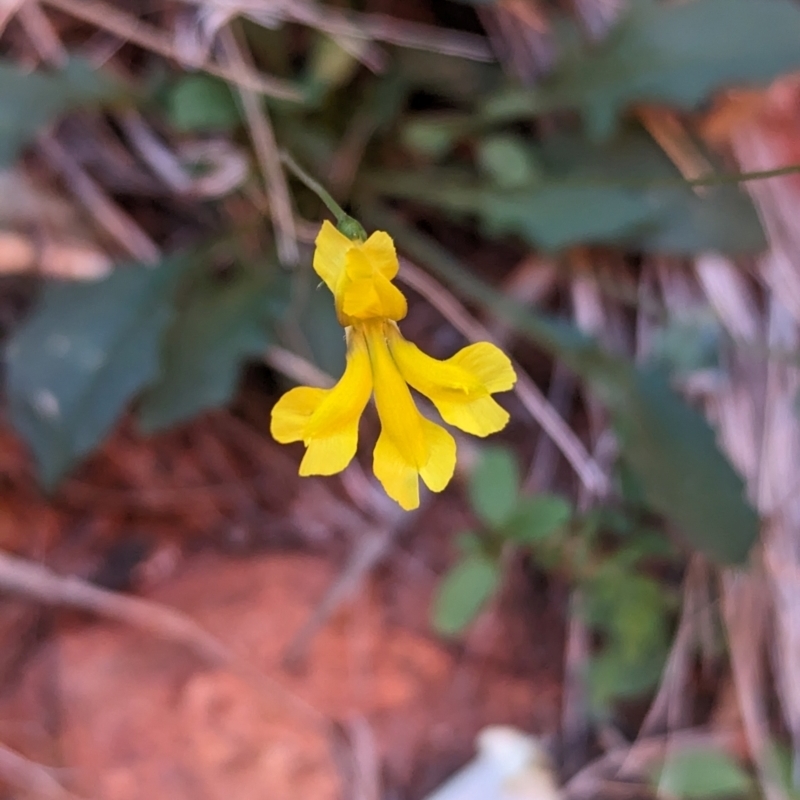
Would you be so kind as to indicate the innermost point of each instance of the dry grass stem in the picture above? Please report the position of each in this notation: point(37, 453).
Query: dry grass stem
point(42, 34)
point(8, 11)
point(544, 464)
point(32, 779)
point(154, 152)
point(263, 138)
point(669, 711)
point(574, 716)
point(131, 29)
point(361, 26)
point(366, 761)
point(297, 368)
point(108, 216)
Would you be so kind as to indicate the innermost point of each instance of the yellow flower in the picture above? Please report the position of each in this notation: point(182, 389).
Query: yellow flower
point(381, 362)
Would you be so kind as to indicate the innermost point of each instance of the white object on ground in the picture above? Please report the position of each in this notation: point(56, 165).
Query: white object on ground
point(510, 765)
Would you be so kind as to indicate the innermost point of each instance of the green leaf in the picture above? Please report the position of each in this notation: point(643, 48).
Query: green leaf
point(630, 610)
point(677, 54)
point(200, 103)
point(31, 100)
point(323, 332)
point(220, 324)
point(699, 774)
point(684, 476)
point(689, 343)
point(613, 676)
point(550, 214)
point(536, 518)
point(463, 592)
point(470, 543)
point(508, 161)
point(681, 222)
point(434, 135)
point(306, 320)
point(645, 543)
point(494, 486)
point(554, 216)
point(628, 606)
point(625, 191)
point(780, 765)
point(670, 446)
point(86, 350)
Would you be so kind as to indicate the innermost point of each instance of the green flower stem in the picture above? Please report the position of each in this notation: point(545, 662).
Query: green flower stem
point(349, 226)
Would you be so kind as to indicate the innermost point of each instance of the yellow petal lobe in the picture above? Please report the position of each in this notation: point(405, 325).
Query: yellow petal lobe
point(489, 364)
point(409, 445)
point(441, 464)
point(331, 250)
point(291, 413)
point(460, 387)
point(400, 480)
point(379, 250)
point(326, 420)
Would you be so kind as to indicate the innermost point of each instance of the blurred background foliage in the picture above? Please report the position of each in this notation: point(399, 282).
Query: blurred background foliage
point(469, 166)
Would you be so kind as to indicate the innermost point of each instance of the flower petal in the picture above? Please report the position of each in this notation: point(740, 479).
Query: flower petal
point(400, 419)
point(441, 464)
point(461, 386)
point(489, 364)
point(479, 416)
point(367, 293)
point(327, 420)
point(331, 454)
point(332, 247)
point(399, 478)
point(379, 249)
point(291, 413)
point(409, 445)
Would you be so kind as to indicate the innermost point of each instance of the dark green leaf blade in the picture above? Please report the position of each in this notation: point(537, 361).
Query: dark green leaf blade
point(685, 477)
point(703, 774)
point(676, 53)
point(86, 350)
point(31, 100)
point(215, 329)
point(623, 191)
point(494, 486)
point(631, 611)
point(536, 518)
point(551, 214)
point(554, 216)
point(201, 103)
point(463, 592)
